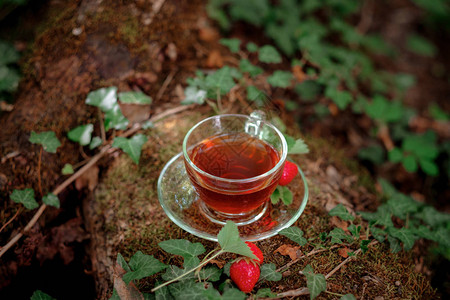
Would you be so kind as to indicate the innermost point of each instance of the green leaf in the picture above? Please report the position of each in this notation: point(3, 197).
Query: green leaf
point(405, 235)
point(187, 289)
point(163, 293)
point(104, 98)
point(256, 95)
point(308, 90)
point(115, 119)
point(378, 234)
point(438, 113)
point(268, 54)
point(232, 44)
point(354, 230)
point(401, 205)
point(348, 297)
point(9, 53)
point(280, 79)
point(40, 295)
point(409, 163)
point(95, 142)
point(299, 147)
point(226, 268)
point(182, 247)
point(173, 272)
point(269, 273)
point(395, 155)
point(337, 235)
point(67, 169)
point(442, 236)
point(121, 261)
point(374, 154)
point(131, 146)
point(252, 47)
point(26, 197)
point(47, 139)
point(341, 98)
point(364, 246)
point(9, 79)
point(276, 195)
point(247, 67)
point(233, 294)
point(265, 293)
point(220, 82)
point(230, 241)
point(135, 98)
point(429, 167)
point(193, 95)
point(210, 273)
point(340, 211)
point(295, 234)
point(286, 195)
point(51, 200)
point(421, 45)
point(143, 266)
point(316, 283)
point(81, 134)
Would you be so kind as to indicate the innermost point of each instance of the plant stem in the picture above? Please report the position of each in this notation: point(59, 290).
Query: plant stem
point(334, 294)
point(10, 220)
point(188, 272)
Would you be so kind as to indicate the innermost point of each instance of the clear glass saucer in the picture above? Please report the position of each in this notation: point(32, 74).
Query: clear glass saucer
point(180, 202)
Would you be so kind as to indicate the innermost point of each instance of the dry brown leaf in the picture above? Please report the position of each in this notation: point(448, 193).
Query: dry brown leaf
point(337, 222)
point(171, 52)
point(135, 113)
point(208, 34)
point(89, 179)
point(125, 292)
point(218, 263)
point(343, 252)
point(334, 110)
point(214, 60)
point(299, 74)
point(292, 251)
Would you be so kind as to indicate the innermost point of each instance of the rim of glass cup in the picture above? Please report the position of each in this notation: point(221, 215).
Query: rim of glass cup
point(250, 179)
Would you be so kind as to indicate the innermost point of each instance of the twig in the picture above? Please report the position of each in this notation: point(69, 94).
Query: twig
point(77, 174)
point(165, 84)
point(9, 155)
point(10, 220)
point(155, 9)
point(102, 126)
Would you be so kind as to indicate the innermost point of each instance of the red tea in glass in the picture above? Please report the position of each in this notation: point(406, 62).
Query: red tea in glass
point(234, 163)
point(235, 156)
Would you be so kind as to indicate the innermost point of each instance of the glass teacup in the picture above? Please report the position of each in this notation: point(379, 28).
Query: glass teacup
point(234, 162)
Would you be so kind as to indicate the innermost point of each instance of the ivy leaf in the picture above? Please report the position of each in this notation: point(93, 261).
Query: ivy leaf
point(233, 294)
point(405, 235)
point(308, 90)
point(131, 146)
point(268, 54)
point(247, 67)
point(135, 98)
point(115, 119)
point(173, 272)
point(104, 98)
point(51, 200)
point(26, 197)
point(280, 79)
point(162, 293)
point(143, 265)
point(67, 169)
point(182, 247)
point(210, 273)
point(269, 273)
point(256, 95)
point(81, 134)
point(121, 261)
point(95, 142)
point(348, 297)
point(252, 47)
point(47, 139)
point(337, 235)
point(341, 212)
point(420, 45)
point(187, 289)
point(429, 167)
point(395, 155)
point(378, 233)
point(394, 244)
point(364, 246)
point(374, 154)
point(232, 44)
point(193, 95)
point(295, 234)
point(354, 230)
point(40, 295)
point(401, 205)
point(409, 163)
point(316, 283)
point(341, 98)
point(230, 241)
point(220, 82)
point(265, 293)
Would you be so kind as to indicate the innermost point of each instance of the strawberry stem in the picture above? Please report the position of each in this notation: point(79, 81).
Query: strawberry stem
point(204, 262)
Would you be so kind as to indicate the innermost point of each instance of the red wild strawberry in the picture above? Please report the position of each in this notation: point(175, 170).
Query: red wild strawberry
point(245, 274)
point(257, 252)
point(289, 172)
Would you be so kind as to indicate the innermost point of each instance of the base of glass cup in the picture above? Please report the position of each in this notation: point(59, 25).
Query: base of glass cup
point(238, 219)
